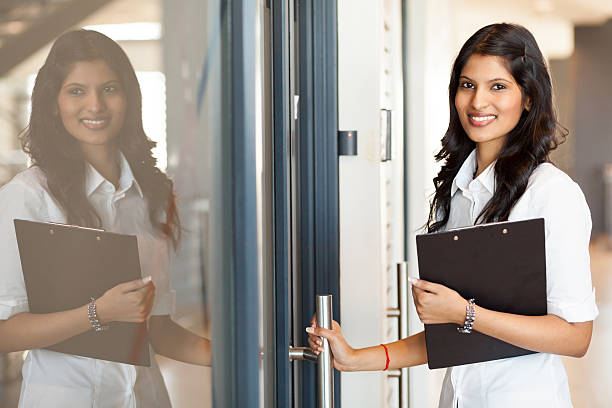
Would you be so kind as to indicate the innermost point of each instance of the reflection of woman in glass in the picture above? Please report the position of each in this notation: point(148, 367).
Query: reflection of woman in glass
point(92, 166)
point(496, 167)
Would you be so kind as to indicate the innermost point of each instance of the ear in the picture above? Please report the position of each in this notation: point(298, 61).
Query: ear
point(527, 104)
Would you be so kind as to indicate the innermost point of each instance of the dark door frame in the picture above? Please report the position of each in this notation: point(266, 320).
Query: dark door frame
point(317, 217)
point(318, 221)
point(233, 294)
point(234, 283)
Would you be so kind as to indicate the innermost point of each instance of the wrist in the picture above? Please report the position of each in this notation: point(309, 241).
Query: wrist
point(353, 360)
point(102, 311)
point(460, 314)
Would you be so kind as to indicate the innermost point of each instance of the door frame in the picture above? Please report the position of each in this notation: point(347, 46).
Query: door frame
point(233, 279)
point(318, 219)
point(313, 140)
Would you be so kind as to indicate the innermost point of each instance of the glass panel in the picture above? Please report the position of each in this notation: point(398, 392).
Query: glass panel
point(92, 164)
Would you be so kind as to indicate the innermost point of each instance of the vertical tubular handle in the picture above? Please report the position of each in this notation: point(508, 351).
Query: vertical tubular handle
point(402, 274)
point(324, 364)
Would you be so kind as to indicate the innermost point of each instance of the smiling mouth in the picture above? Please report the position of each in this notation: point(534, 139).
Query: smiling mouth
point(481, 120)
point(95, 124)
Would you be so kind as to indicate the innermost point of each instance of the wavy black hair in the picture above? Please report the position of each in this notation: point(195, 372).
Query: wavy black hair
point(57, 153)
point(526, 146)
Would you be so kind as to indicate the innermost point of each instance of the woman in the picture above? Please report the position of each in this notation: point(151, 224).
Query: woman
point(92, 166)
point(496, 167)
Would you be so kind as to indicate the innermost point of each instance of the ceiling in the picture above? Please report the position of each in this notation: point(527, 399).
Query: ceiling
point(28, 26)
point(578, 12)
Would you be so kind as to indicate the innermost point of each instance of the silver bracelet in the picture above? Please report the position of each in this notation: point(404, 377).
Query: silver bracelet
point(93, 316)
point(470, 317)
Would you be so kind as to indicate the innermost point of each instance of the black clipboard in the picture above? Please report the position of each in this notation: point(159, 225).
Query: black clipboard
point(64, 265)
point(502, 266)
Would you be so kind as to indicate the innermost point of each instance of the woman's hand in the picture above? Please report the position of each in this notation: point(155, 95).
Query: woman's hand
point(127, 302)
point(436, 303)
point(344, 356)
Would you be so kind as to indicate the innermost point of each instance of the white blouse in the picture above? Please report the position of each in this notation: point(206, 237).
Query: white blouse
point(57, 380)
point(536, 380)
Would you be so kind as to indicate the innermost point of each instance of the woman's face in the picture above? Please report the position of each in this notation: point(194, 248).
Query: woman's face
point(489, 101)
point(92, 103)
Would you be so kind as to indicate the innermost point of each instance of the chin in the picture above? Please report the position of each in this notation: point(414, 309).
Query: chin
point(478, 137)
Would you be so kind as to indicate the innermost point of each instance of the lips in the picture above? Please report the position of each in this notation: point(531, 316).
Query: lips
point(481, 119)
point(95, 123)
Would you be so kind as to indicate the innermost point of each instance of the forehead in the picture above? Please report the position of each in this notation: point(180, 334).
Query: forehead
point(91, 71)
point(485, 67)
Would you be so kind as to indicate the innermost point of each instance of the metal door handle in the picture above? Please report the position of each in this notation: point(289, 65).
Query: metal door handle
point(324, 364)
point(325, 368)
point(302, 353)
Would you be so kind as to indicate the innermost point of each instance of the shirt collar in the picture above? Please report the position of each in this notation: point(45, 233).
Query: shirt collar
point(465, 175)
point(93, 179)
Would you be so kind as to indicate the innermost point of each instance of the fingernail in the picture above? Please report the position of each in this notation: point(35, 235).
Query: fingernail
point(309, 330)
point(412, 280)
point(147, 279)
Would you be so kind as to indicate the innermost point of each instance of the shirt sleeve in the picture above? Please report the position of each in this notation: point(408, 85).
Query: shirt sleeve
point(17, 201)
point(567, 219)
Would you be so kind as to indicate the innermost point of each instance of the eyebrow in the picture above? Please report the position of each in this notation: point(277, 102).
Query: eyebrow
point(84, 86)
point(491, 80)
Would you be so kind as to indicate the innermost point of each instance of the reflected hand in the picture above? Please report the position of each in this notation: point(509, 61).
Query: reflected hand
point(436, 303)
point(343, 355)
point(127, 302)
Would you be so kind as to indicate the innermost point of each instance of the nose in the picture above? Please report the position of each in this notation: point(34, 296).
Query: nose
point(95, 102)
point(479, 99)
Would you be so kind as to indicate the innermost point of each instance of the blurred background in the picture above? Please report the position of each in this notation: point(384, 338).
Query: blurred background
point(392, 56)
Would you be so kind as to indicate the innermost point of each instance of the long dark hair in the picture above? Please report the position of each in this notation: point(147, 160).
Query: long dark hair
point(526, 146)
point(57, 153)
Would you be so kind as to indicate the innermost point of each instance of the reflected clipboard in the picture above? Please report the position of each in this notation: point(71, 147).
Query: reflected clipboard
point(502, 266)
point(64, 266)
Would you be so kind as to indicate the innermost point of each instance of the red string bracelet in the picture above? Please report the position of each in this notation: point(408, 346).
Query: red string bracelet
point(387, 354)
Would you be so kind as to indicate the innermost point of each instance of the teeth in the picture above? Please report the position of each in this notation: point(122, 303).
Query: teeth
point(482, 118)
point(93, 122)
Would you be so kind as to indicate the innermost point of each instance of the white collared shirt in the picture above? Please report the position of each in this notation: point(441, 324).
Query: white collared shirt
point(55, 380)
point(536, 380)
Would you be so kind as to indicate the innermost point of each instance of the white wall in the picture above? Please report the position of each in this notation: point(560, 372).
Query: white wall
point(359, 39)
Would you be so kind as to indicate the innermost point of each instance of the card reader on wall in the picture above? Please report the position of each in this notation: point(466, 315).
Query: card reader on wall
point(347, 143)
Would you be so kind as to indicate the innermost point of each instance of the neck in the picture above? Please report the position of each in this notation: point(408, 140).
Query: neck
point(105, 159)
point(486, 153)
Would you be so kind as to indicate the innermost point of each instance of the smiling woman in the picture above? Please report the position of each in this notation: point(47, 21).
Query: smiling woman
point(489, 103)
point(91, 103)
point(496, 167)
point(93, 167)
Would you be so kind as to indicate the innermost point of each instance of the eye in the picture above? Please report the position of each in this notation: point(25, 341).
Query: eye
point(76, 91)
point(110, 89)
point(467, 85)
point(498, 87)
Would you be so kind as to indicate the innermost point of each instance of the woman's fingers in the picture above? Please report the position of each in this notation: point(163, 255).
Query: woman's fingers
point(424, 285)
point(321, 332)
point(315, 335)
point(135, 284)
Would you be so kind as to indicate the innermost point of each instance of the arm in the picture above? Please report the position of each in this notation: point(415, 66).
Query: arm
point(26, 331)
point(175, 342)
point(547, 334)
point(407, 352)
point(128, 302)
